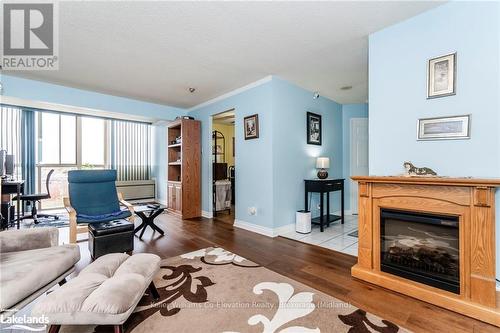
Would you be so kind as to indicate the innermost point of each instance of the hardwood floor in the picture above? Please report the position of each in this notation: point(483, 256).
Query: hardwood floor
point(227, 217)
point(317, 267)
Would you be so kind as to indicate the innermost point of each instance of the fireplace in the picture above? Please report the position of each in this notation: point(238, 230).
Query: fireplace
point(449, 249)
point(421, 247)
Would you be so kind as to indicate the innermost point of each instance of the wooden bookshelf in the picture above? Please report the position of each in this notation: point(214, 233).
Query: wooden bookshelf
point(184, 168)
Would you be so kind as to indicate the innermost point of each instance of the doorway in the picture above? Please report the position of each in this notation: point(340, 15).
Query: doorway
point(223, 166)
point(359, 156)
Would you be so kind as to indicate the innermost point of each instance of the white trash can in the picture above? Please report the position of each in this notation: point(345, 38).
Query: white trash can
point(303, 221)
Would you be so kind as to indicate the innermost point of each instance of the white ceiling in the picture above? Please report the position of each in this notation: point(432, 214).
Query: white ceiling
point(155, 51)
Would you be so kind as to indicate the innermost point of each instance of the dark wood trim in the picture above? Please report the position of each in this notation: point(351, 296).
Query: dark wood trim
point(154, 291)
point(54, 328)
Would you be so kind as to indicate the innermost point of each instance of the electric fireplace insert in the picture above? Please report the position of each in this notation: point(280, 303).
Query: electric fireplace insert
point(421, 247)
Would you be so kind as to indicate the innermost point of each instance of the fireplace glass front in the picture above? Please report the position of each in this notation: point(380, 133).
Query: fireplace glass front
point(421, 247)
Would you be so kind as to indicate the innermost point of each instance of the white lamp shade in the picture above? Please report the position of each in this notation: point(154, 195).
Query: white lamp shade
point(322, 163)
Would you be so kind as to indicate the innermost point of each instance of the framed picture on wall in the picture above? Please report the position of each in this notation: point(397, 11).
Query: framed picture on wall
point(313, 129)
point(251, 126)
point(444, 128)
point(441, 72)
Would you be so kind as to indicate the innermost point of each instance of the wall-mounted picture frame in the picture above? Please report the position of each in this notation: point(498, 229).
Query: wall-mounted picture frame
point(444, 128)
point(251, 126)
point(314, 129)
point(441, 76)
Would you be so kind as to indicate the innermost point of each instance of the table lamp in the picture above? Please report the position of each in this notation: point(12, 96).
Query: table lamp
point(322, 163)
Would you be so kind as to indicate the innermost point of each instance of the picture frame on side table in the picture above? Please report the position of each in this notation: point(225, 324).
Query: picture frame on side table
point(314, 131)
point(441, 76)
point(444, 128)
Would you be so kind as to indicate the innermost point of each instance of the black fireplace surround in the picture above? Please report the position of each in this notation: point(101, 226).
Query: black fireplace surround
point(421, 247)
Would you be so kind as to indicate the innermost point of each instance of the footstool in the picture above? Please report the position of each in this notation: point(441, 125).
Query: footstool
point(110, 237)
point(104, 293)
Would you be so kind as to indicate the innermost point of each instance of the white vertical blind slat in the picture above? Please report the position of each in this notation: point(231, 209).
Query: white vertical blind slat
point(131, 150)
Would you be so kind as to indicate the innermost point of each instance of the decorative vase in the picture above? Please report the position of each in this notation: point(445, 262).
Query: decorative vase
point(322, 174)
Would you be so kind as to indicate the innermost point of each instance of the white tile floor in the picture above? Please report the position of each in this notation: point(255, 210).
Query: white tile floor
point(335, 237)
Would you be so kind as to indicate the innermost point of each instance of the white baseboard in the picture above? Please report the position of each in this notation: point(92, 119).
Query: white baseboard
point(266, 231)
point(206, 214)
point(258, 229)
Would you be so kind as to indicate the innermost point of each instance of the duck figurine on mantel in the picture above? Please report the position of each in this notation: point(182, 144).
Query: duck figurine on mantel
point(412, 171)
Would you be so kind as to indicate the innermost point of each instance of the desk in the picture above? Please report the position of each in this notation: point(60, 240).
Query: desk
point(14, 186)
point(323, 186)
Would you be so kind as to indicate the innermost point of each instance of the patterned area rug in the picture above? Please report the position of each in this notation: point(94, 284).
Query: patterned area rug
point(213, 290)
point(62, 222)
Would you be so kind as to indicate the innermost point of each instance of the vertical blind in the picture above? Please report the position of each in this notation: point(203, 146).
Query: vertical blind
point(10, 134)
point(130, 150)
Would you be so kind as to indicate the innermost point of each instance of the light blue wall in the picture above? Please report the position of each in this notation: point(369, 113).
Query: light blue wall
point(397, 82)
point(349, 111)
point(270, 170)
point(397, 79)
point(53, 93)
point(253, 162)
point(293, 159)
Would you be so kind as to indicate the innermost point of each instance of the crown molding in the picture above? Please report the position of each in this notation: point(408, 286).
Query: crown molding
point(232, 93)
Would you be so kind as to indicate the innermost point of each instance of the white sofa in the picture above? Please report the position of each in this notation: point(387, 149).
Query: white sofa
point(32, 262)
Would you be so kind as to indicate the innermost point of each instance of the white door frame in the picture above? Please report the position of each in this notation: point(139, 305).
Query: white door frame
point(210, 212)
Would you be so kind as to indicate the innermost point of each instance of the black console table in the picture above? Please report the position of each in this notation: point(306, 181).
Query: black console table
point(323, 186)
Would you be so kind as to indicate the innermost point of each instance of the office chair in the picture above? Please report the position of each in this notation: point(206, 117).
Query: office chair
point(33, 199)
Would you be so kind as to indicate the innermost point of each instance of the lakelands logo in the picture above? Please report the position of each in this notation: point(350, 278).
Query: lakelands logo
point(24, 323)
point(30, 36)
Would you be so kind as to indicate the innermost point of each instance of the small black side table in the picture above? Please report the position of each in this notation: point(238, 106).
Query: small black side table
point(148, 213)
point(323, 186)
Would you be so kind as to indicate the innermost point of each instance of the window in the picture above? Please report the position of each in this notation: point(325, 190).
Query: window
point(56, 139)
point(70, 142)
point(68, 139)
point(10, 134)
point(67, 142)
point(93, 141)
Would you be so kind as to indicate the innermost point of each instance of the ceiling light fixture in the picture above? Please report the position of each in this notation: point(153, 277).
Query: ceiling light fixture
point(346, 88)
point(192, 90)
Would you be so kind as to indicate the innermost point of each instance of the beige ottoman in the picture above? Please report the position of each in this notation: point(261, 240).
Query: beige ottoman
point(104, 293)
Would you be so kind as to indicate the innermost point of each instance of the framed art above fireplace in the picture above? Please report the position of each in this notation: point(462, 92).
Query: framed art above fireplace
point(444, 128)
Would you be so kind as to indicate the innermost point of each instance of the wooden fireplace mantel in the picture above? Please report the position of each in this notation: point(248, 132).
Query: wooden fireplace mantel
point(472, 200)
